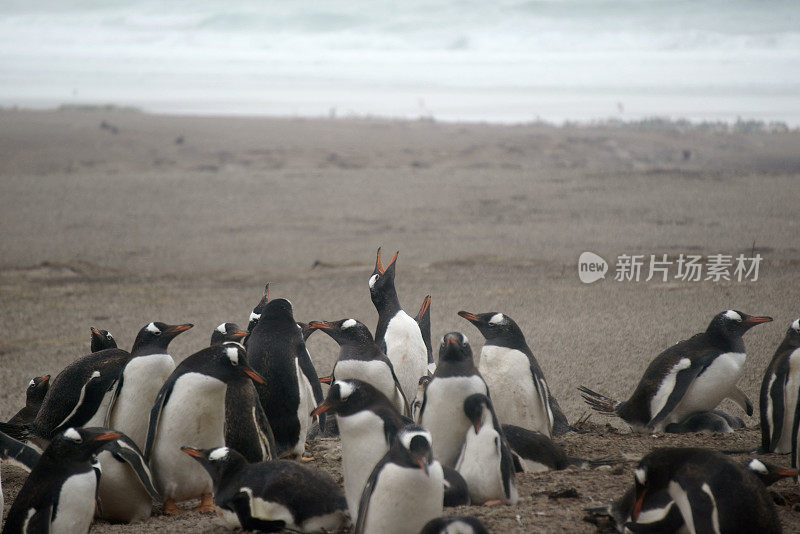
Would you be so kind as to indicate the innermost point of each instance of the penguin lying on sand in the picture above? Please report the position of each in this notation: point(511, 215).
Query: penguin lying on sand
point(34, 395)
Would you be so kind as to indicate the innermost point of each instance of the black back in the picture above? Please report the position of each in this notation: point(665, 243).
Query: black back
point(34, 396)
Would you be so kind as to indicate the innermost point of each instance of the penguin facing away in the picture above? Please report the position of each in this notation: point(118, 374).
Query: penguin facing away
point(442, 411)
point(520, 392)
point(59, 494)
point(405, 489)
point(149, 367)
point(485, 461)
point(101, 340)
point(693, 375)
point(190, 408)
point(272, 496)
point(779, 394)
point(34, 396)
point(397, 333)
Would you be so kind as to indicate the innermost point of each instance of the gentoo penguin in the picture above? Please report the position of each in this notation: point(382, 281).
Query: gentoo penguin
point(442, 411)
point(416, 404)
point(275, 348)
point(246, 426)
point(423, 319)
point(78, 396)
point(272, 496)
point(255, 315)
point(405, 489)
point(149, 367)
point(534, 452)
point(368, 422)
point(190, 408)
point(519, 390)
point(127, 489)
point(712, 492)
point(361, 359)
point(465, 524)
point(102, 340)
point(779, 394)
point(59, 494)
point(485, 461)
point(715, 421)
point(18, 454)
point(694, 375)
point(397, 333)
point(34, 395)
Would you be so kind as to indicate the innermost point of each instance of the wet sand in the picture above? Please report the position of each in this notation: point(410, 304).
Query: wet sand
point(116, 219)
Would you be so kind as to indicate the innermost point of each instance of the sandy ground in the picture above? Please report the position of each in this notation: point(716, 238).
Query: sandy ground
point(184, 220)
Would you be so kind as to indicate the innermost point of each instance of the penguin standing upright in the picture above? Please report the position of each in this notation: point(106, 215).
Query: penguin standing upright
point(712, 492)
point(190, 408)
point(149, 367)
point(410, 472)
point(244, 415)
point(485, 461)
point(274, 349)
point(442, 411)
point(101, 340)
point(361, 359)
point(397, 333)
point(34, 395)
point(59, 495)
point(520, 392)
point(694, 375)
point(272, 496)
point(780, 394)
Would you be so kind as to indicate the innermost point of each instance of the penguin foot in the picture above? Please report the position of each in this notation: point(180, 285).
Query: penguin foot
point(206, 504)
point(306, 459)
point(171, 509)
point(493, 503)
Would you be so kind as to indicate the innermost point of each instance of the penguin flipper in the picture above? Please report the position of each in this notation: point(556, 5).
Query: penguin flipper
point(308, 369)
point(696, 505)
point(155, 415)
point(17, 453)
point(265, 431)
point(366, 495)
point(40, 521)
point(240, 503)
point(125, 452)
point(738, 396)
point(772, 427)
point(117, 388)
point(683, 379)
point(423, 319)
point(406, 408)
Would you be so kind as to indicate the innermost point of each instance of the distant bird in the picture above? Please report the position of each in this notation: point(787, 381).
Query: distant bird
point(34, 396)
point(519, 390)
point(693, 375)
point(102, 340)
point(485, 461)
point(454, 525)
point(275, 348)
point(779, 394)
point(59, 494)
point(272, 496)
point(405, 489)
point(149, 367)
point(711, 492)
point(397, 334)
point(442, 411)
point(423, 319)
point(361, 359)
point(190, 408)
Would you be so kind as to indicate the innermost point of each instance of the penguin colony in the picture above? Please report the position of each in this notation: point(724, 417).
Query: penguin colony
point(116, 432)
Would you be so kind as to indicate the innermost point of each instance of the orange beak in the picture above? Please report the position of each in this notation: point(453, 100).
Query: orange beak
point(239, 334)
point(469, 316)
point(255, 377)
point(758, 320)
point(179, 328)
point(789, 473)
point(638, 508)
point(45, 379)
point(322, 408)
point(95, 331)
point(318, 325)
point(326, 380)
point(425, 305)
point(108, 436)
point(381, 268)
point(192, 452)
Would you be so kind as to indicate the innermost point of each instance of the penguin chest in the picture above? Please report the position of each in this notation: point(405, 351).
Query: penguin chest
point(142, 380)
point(516, 400)
point(304, 407)
point(75, 507)
point(479, 464)
point(790, 398)
point(444, 417)
point(374, 372)
point(122, 496)
point(363, 445)
point(194, 415)
point(406, 350)
point(404, 499)
point(711, 386)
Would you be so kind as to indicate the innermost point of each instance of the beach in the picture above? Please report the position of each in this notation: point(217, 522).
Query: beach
point(115, 218)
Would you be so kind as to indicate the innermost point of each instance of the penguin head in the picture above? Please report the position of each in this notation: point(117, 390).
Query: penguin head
point(305, 330)
point(493, 325)
point(278, 312)
point(255, 315)
point(478, 409)
point(422, 385)
point(346, 397)
point(215, 461)
point(381, 283)
point(733, 323)
point(455, 348)
point(769, 473)
point(793, 334)
point(227, 332)
point(155, 337)
point(37, 389)
point(102, 340)
point(229, 362)
point(81, 444)
point(414, 442)
point(344, 332)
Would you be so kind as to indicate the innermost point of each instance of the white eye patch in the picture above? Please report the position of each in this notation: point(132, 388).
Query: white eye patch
point(233, 355)
point(641, 476)
point(345, 389)
point(221, 328)
point(372, 280)
point(218, 454)
point(72, 434)
point(796, 325)
point(733, 316)
point(497, 318)
point(31, 383)
point(254, 316)
point(153, 329)
point(350, 323)
point(758, 466)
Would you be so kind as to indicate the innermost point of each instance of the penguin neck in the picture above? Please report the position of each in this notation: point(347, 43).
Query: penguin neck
point(448, 368)
point(229, 475)
point(387, 307)
point(725, 342)
point(146, 349)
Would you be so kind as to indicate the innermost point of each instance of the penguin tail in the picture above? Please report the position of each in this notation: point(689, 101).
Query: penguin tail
point(597, 402)
point(18, 432)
